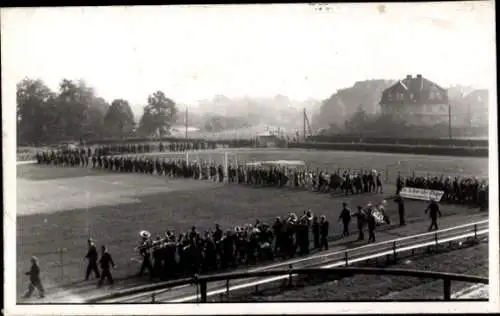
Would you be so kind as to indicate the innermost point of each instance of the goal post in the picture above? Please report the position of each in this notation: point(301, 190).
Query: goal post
point(223, 158)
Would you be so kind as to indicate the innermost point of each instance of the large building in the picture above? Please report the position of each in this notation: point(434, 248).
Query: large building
point(476, 104)
point(416, 100)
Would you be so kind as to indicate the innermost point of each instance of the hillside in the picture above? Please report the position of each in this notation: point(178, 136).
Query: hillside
point(345, 102)
point(341, 105)
point(277, 111)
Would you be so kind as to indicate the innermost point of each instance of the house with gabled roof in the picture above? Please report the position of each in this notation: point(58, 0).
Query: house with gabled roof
point(416, 100)
point(477, 103)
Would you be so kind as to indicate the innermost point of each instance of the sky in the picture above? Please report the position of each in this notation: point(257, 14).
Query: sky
point(196, 52)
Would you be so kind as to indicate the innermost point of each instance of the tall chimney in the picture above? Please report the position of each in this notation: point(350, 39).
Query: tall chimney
point(408, 77)
point(419, 76)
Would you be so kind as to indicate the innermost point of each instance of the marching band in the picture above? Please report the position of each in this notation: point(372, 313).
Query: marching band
point(169, 255)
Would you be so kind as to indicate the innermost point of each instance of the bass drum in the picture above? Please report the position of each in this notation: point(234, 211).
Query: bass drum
point(380, 217)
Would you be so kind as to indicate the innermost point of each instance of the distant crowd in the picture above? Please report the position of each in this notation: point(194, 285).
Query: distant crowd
point(345, 181)
point(148, 147)
point(461, 190)
point(457, 190)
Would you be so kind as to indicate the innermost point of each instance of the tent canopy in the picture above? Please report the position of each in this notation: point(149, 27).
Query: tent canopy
point(278, 163)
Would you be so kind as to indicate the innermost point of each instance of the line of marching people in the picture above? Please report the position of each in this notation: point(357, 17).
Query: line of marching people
point(148, 147)
point(457, 190)
point(170, 256)
point(463, 190)
point(320, 181)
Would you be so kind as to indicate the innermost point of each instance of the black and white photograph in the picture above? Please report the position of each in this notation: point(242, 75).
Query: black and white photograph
point(250, 158)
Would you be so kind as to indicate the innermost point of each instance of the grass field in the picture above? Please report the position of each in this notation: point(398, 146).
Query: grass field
point(472, 260)
point(62, 207)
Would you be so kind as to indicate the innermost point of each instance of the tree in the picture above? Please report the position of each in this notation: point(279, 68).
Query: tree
point(358, 120)
point(119, 119)
point(95, 118)
point(158, 116)
point(35, 110)
point(74, 100)
point(81, 112)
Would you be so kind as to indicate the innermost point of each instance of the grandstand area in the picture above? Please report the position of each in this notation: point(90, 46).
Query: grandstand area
point(59, 208)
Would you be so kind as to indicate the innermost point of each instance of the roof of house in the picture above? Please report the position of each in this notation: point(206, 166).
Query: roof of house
point(479, 93)
point(416, 84)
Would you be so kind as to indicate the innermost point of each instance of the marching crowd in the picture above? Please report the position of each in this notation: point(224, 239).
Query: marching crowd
point(322, 181)
point(462, 190)
point(170, 256)
point(456, 190)
point(148, 147)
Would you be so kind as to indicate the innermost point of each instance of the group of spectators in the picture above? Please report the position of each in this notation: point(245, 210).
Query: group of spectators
point(457, 190)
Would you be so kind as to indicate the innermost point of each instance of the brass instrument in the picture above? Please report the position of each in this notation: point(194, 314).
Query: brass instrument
point(151, 245)
point(309, 216)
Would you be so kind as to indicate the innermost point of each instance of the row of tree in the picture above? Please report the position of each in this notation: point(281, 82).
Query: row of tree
point(75, 112)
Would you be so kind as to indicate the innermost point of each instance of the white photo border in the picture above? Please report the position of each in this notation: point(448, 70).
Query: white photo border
point(10, 188)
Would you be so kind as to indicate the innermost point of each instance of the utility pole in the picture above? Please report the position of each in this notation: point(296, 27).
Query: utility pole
point(469, 117)
point(304, 123)
point(186, 122)
point(449, 120)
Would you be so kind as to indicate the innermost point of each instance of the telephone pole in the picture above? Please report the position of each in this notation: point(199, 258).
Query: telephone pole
point(304, 123)
point(449, 120)
point(186, 122)
point(469, 117)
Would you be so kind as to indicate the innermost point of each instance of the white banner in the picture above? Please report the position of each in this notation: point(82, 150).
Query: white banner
point(421, 194)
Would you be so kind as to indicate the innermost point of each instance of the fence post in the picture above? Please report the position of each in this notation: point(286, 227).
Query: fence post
point(153, 298)
point(290, 283)
point(346, 259)
point(394, 250)
point(447, 289)
point(203, 290)
point(61, 258)
point(387, 174)
point(475, 231)
point(436, 240)
point(227, 288)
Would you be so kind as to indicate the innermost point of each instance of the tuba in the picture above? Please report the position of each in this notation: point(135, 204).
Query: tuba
point(308, 216)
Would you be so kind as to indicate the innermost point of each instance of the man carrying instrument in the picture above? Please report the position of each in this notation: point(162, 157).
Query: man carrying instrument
point(144, 250)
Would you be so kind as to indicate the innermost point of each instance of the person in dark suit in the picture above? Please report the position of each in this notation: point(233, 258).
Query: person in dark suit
point(35, 281)
point(324, 226)
point(401, 210)
point(106, 263)
point(371, 225)
point(434, 211)
point(92, 257)
point(315, 232)
point(345, 216)
point(360, 216)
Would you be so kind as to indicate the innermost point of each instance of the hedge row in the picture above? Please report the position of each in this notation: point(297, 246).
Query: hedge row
point(135, 140)
point(406, 141)
point(391, 148)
